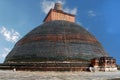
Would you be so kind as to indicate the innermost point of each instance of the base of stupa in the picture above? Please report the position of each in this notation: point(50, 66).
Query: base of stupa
point(47, 66)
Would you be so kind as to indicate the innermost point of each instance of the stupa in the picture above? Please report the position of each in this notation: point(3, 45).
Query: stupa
point(59, 43)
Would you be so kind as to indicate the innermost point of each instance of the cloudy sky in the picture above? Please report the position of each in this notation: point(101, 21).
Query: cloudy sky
point(100, 17)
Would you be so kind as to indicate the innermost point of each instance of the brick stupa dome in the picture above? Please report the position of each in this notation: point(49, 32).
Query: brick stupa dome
point(58, 44)
point(57, 40)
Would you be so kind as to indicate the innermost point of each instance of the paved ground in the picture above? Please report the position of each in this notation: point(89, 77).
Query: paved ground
point(23, 75)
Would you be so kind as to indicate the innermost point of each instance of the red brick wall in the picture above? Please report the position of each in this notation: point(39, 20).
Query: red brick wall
point(54, 15)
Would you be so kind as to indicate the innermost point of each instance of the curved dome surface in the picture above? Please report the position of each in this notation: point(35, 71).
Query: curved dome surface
point(56, 41)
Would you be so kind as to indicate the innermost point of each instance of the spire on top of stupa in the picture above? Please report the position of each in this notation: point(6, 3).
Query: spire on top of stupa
point(58, 14)
point(58, 6)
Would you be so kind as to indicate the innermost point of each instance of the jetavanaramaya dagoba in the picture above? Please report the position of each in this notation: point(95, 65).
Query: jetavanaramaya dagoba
point(58, 44)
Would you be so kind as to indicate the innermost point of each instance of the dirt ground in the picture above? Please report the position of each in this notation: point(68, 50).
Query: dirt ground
point(37, 75)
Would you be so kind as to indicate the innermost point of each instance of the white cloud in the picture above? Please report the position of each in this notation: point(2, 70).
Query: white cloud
point(10, 35)
point(4, 54)
point(72, 11)
point(80, 23)
point(62, 2)
point(46, 5)
point(91, 13)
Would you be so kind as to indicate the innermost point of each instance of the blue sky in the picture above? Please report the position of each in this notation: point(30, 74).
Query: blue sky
point(100, 17)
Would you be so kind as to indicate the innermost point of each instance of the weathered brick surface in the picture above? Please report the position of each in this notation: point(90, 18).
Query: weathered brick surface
point(59, 15)
point(56, 41)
